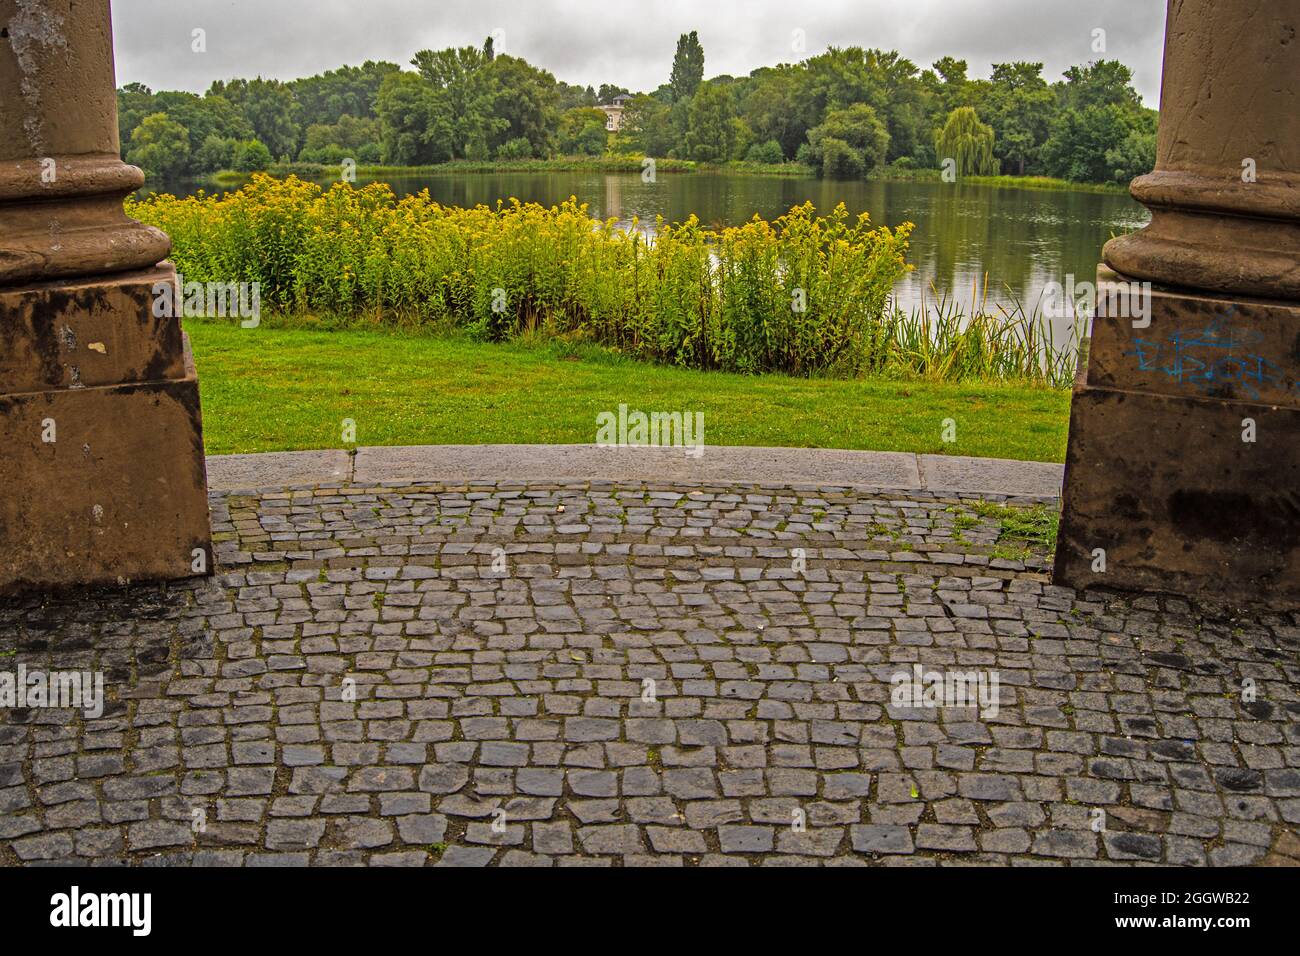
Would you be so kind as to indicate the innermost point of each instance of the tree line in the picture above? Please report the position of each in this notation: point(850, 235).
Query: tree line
point(845, 113)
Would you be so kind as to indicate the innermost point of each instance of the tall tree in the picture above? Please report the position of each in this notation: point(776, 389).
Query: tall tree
point(464, 123)
point(968, 141)
point(203, 117)
point(475, 102)
point(1135, 155)
point(905, 115)
point(648, 126)
point(410, 114)
point(349, 90)
point(771, 108)
point(1077, 149)
point(160, 146)
point(524, 97)
point(1019, 107)
point(688, 66)
point(1103, 83)
point(947, 88)
point(134, 103)
point(1098, 112)
point(582, 131)
point(349, 138)
point(841, 77)
point(270, 106)
point(711, 135)
point(570, 96)
point(849, 143)
point(607, 93)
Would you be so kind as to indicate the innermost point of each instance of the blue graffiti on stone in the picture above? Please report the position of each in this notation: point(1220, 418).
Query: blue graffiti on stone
point(1216, 356)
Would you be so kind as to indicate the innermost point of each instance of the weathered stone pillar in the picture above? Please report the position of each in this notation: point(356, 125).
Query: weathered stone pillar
point(1183, 468)
point(102, 475)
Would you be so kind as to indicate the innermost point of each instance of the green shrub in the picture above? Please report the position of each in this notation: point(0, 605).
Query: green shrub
point(517, 148)
point(216, 153)
point(839, 159)
point(768, 153)
point(252, 156)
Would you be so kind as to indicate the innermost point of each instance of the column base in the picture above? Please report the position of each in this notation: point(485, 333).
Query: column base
point(1183, 467)
point(1178, 502)
point(100, 483)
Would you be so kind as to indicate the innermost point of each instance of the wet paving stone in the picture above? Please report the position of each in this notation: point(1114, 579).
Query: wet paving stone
point(593, 673)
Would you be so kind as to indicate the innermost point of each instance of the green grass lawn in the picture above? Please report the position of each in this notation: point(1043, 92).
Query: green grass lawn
point(278, 389)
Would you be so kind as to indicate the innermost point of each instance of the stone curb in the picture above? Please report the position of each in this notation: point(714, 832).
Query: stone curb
point(872, 470)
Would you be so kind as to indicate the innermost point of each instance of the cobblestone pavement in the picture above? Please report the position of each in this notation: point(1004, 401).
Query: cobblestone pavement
point(628, 674)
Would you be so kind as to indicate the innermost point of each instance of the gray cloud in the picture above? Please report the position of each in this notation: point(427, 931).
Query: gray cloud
point(626, 42)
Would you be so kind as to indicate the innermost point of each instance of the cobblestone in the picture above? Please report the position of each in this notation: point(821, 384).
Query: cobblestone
point(538, 674)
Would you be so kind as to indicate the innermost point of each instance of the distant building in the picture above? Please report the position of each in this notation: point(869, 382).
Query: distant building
point(614, 112)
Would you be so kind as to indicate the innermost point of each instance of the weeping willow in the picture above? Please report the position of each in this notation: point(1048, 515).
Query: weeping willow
point(968, 141)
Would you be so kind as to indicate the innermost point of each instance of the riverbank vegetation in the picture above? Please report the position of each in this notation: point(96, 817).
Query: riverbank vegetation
point(845, 113)
point(905, 173)
point(609, 163)
point(635, 164)
point(806, 294)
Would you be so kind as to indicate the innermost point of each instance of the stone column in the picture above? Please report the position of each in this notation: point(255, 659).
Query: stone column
point(102, 475)
point(1183, 468)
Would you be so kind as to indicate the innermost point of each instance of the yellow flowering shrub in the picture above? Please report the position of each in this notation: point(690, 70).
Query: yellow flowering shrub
point(802, 294)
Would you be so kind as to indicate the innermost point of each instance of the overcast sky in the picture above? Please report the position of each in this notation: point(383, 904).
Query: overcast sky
point(626, 42)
